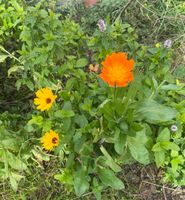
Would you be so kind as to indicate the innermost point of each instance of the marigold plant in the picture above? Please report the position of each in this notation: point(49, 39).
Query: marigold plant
point(117, 70)
point(44, 99)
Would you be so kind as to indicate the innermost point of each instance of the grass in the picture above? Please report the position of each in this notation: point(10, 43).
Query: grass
point(154, 21)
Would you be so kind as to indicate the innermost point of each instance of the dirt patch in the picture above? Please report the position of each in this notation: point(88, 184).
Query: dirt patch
point(145, 183)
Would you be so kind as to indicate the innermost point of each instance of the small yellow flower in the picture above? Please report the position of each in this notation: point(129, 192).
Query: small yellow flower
point(50, 140)
point(45, 99)
point(158, 45)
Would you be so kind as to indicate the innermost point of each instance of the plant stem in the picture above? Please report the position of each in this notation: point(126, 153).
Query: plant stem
point(12, 56)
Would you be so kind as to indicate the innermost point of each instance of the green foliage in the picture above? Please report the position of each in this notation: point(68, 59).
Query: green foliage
point(100, 127)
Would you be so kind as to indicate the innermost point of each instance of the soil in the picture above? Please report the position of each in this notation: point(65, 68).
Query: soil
point(146, 184)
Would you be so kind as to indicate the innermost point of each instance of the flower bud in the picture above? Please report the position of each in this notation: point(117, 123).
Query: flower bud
point(101, 25)
point(174, 128)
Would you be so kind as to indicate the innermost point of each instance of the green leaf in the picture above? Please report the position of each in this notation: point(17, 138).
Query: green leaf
point(82, 62)
point(64, 113)
point(17, 177)
point(10, 144)
point(16, 163)
point(159, 158)
point(157, 147)
point(3, 58)
point(13, 183)
point(138, 150)
point(97, 189)
point(15, 69)
point(153, 112)
point(109, 160)
point(65, 177)
point(40, 155)
point(170, 146)
point(66, 124)
point(81, 184)
point(107, 109)
point(175, 163)
point(171, 87)
point(81, 120)
point(119, 142)
point(108, 178)
point(164, 135)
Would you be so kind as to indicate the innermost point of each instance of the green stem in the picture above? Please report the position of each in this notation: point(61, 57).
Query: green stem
point(12, 56)
point(115, 92)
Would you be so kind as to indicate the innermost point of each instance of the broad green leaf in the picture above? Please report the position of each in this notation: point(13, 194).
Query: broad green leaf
point(81, 120)
point(119, 142)
point(3, 58)
point(66, 124)
point(107, 109)
point(138, 150)
point(153, 112)
point(65, 177)
point(82, 62)
point(109, 160)
point(79, 140)
point(164, 135)
point(10, 144)
point(38, 120)
point(108, 178)
point(14, 69)
point(81, 184)
point(64, 113)
point(170, 146)
point(157, 147)
point(30, 85)
point(159, 158)
point(16, 163)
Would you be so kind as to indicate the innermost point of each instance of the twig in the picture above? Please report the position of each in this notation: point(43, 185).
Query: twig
point(162, 186)
point(164, 193)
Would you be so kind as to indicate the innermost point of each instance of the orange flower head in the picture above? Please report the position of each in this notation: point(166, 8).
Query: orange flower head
point(117, 70)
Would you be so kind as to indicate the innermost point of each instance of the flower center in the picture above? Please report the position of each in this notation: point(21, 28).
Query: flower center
point(54, 140)
point(48, 100)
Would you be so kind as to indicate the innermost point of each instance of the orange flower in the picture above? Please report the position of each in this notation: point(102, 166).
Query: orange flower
point(117, 70)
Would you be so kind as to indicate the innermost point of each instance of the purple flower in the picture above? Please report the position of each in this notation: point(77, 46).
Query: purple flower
point(101, 24)
point(168, 43)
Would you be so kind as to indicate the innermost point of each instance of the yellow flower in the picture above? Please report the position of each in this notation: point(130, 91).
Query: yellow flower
point(45, 99)
point(158, 45)
point(50, 140)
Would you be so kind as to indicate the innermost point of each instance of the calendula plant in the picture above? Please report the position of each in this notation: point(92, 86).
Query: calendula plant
point(103, 122)
point(98, 100)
